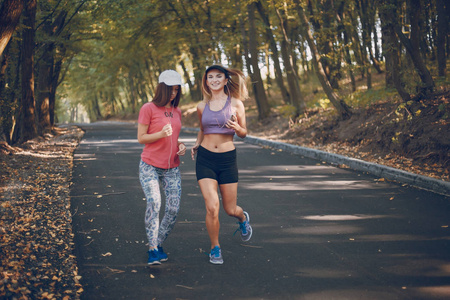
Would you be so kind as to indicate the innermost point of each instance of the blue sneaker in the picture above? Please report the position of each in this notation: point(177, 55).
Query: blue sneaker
point(245, 228)
point(215, 257)
point(153, 257)
point(162, 255)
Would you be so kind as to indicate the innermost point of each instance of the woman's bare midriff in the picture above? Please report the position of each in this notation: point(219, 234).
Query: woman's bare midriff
point(218, 142)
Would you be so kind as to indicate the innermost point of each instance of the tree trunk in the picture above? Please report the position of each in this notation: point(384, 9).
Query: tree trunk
point(293, 81)
point(43, 94)
point(10, 96)
point(57, 78)
point(196, 93)
point(365, 42)
point(187, 77)
point(447, 12)
point(27, 126)
point(96, 108)
point(4, 62)
point(257, 82)
point(367, 16)
point(442, 33)
point(57, 61)
point(45, 74)
point(324, 42)
point(133, 98)
point(343, 109)
point(54, 84)
point(236, 53)
point(375, 62)
point(267, 63)
point(305, 61)
point(390, 49)
point(9, 18)
point(275, 55)
point(245, 45)
point(5, 111)
point(356, 43)
point(344, 29)
point(373, 17)
point(413, 49)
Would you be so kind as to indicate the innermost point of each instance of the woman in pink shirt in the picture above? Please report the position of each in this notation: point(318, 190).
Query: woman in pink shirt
point(221, 115)
point(159, 127)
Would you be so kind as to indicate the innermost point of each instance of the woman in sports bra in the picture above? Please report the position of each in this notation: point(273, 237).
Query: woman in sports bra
point(221, 115)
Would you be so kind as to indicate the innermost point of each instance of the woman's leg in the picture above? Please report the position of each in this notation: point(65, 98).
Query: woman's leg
point(148, 177)
point(208, 187)
point(229, 201)
point(171, 183)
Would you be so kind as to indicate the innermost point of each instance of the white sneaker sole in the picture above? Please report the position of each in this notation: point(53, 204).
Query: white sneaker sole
point(216, 262)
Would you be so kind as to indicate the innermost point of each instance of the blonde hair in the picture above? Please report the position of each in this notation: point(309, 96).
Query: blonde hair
point(236, 86)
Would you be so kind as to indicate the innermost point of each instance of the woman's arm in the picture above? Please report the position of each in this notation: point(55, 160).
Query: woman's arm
point(146, 138)
point(239, 124)
point(200, 135)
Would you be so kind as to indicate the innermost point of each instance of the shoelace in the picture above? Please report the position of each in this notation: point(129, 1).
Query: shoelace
point(242, 227)
point(214, 251)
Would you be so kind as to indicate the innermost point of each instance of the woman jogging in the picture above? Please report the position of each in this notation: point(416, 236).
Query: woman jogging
point(158, 129)
point(221, 115)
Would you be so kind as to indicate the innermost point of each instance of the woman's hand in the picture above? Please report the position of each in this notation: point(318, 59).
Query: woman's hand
point(181, 149)
point(233, 123)
point(194, 151)
point(166, 130)
point(237, 122)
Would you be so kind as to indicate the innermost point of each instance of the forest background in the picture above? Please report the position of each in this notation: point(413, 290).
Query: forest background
point(362, 75)
point(364, 78)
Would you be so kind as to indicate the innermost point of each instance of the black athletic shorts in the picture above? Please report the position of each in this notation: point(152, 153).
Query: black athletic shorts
point(221, 167)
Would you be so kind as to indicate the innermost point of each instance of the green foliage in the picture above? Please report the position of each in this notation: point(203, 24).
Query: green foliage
point(396, 137)
point(402, 108)
point(324, 103)
point(443, 81)
point(113, 51)
point(364, 97)
point(138, 40)
point(135, 40)
point(288, 111)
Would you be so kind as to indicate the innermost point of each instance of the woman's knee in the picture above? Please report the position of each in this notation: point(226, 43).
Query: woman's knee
point(231, 210)
point(212, 209)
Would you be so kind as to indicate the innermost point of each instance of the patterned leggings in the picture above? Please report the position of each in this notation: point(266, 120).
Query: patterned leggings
point(170, 179)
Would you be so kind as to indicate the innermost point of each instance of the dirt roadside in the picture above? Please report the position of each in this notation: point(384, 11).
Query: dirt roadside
point(36, 239)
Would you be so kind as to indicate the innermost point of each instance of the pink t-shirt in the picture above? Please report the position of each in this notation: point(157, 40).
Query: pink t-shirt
point(162, 153)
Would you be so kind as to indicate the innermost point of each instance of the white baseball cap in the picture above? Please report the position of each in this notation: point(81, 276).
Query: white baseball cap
point(170, 78)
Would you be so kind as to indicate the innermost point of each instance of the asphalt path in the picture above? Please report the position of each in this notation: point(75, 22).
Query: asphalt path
point(319, 232)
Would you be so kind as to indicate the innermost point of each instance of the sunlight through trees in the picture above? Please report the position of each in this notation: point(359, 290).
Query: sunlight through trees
point(78, 60)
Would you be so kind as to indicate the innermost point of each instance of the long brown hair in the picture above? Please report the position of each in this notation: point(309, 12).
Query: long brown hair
point(163, 93)
point(236, 86)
